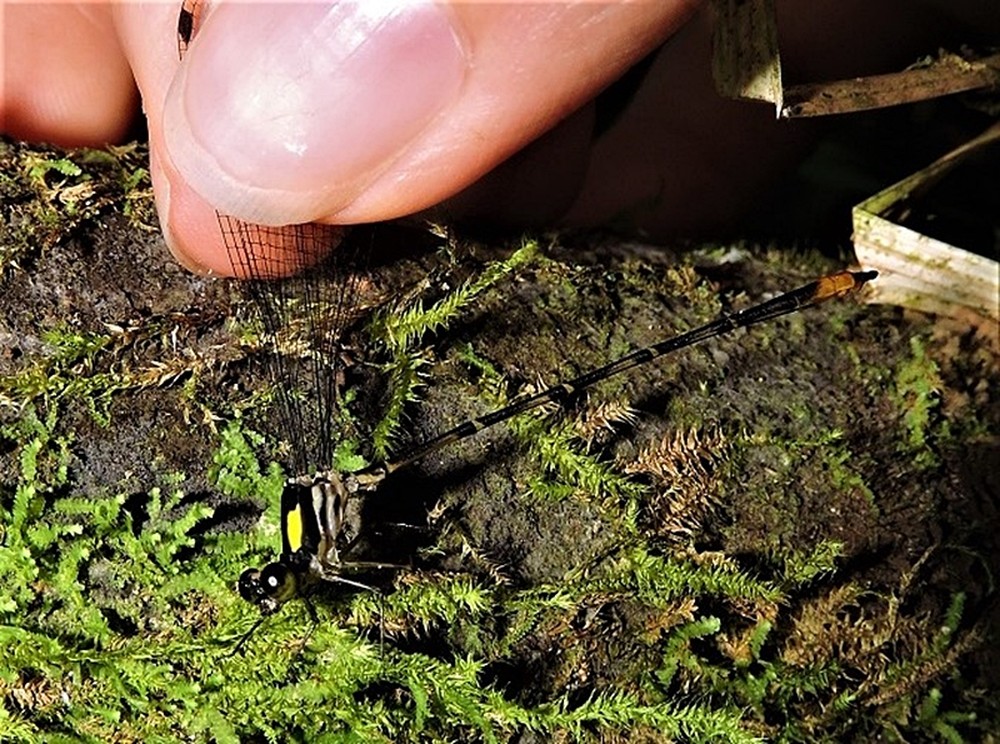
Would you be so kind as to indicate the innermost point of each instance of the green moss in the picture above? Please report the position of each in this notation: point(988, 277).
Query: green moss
point(837, 461)
point(917, 386)
point(399, 332)
point(804, 568)
point(130, 633)
point(50, 193)
point(119, 620)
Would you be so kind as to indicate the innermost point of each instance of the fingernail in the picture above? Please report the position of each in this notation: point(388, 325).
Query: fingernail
point(275, 101)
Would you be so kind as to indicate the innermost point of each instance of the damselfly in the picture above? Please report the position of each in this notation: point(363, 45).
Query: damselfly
point(314, 501)
point(313, 508)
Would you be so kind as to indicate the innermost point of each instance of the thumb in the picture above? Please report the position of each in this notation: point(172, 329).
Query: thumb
point(356, 112)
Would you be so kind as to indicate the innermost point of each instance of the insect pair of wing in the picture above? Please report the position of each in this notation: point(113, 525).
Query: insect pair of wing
point(302, 319)
point(303, 289)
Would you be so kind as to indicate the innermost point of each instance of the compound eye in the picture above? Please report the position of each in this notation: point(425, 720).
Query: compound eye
point(278, 582)
point(249, 586)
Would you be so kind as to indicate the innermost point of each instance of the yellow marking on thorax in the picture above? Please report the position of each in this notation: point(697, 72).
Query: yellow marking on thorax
point(293, 528)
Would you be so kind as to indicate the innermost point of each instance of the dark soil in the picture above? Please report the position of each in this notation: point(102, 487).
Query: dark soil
point(805, 430)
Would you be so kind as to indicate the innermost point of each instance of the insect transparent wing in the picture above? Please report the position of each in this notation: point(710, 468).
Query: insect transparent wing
point(302, 316)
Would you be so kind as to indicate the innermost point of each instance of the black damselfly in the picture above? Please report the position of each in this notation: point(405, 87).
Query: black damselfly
point(309, 308)
point(313, 507)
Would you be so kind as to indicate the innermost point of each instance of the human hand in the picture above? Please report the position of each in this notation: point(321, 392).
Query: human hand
point(291, 113)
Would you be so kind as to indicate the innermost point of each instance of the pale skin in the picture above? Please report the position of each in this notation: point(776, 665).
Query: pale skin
point(356, 113)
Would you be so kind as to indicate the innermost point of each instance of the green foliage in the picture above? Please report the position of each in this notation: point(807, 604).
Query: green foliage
point(916, 394)
point(40, 168)
point(121, 627)
point(804, 568)
point(118, 620)
point(942, 725)
point(135, 631)
point(564, 460)
point(235, 469)
point(657, 579)
point(952, 619)
point(839, 463)
point(86, 368)
point(677, 651)
point(346, 458)
point(400, 332)
point(52, 194)
point(405, 374)
point(66, 373)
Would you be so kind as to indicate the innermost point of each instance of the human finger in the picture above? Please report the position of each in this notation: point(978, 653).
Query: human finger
point(359, 112)
point(65, 77)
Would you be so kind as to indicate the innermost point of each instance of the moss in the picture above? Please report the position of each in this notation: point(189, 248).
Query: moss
point(734, 543)
point(917, 395)
point(49, 194)
point(400, 332)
